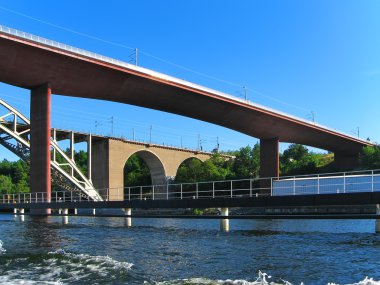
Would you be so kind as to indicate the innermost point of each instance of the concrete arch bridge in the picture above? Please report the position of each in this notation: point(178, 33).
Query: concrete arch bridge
point(107, 156)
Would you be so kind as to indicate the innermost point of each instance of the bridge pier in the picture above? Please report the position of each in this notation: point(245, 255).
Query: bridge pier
point(224, 223)
point(377, 221)
point(128, 220)
point(269, 163)
point(346, 161)
point(40, 132)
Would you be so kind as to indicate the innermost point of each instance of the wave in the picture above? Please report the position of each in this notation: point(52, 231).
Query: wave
point(60, 267)
point(366, 281)
point(2, 249)
point(262, 279)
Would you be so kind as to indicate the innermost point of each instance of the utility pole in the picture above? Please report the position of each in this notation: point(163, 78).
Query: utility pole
point(112, 121)
point(97, 123)
point(150, 134)
point(181, 142)
point(133, 134)
point(217, 144)
point(136, 56)
point(245, 93)
point(199, 142)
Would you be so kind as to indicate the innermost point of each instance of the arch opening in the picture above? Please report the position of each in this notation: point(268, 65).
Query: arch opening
point(143, 171)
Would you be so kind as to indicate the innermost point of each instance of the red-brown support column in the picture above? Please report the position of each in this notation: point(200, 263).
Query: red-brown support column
point(346, 161)
point(269, 162)
point(40, 110)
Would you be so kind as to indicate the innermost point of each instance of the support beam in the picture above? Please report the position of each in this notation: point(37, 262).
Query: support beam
point(224, 223)
point(40, 120)
point(89, 157)
point(72, 150)
point(269, 163)
point(346, 161)
point(269, 158)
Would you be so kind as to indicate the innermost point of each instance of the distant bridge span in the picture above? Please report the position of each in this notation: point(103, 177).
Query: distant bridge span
point(45, 66)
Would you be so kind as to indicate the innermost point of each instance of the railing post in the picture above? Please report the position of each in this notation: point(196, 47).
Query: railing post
point(118, 193)
point(213, 189)
point(196, 190)
point(129, 193)
point(271, 186)
point(344, 182)
point(153, 193)
point(372, 187)
point(231, 189)
point(140, 192)
point(294, 185)
point(71, 196)
point(318, 184)
point(250, 187)
point(167, 191)
point(181, 192)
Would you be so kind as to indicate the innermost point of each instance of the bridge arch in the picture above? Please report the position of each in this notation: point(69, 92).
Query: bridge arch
point(188, 161)
point(154, 163)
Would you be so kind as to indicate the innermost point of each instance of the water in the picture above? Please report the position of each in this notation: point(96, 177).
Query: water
point(174, 251)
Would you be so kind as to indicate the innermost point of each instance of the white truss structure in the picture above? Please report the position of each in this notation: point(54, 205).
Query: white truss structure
point(15, 136)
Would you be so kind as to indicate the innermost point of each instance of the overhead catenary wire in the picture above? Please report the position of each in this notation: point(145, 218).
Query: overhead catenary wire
point(134, 49)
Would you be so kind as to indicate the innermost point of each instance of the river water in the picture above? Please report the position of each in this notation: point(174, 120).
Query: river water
point(91, 250)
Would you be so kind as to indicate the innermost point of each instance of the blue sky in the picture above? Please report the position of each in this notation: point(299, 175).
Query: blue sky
point(300, 57)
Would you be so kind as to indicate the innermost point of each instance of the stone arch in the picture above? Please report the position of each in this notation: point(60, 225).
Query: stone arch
point(187, 159)
point(156, 167)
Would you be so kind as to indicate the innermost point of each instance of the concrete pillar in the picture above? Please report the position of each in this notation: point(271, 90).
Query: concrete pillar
point(128, 220)
point(65, 218)
point(224, 223)
point(72, 150)
point(377, 221)
point(40, 120)
point(94, 211)
point(22, 211)
point(346, 161)
point(89, 157)
point(269, 163)
point(15, 211)
point(75, 211)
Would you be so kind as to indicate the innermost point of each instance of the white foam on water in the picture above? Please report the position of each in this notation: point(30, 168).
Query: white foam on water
point(60, 267)
point(262, 279)
point(365, 281)
point(2, 249)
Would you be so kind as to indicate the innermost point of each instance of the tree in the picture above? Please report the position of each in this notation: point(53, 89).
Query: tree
point(370, 157)
point(247, 162)
point(136, 172)
point(6, 185)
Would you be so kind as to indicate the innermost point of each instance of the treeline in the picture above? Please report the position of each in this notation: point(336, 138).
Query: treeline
point(14, 175)
point(295, 160)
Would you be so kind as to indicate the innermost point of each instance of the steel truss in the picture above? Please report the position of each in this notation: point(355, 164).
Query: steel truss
point(15, 136)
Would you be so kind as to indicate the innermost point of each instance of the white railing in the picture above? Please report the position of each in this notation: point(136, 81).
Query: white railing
point(316, 184)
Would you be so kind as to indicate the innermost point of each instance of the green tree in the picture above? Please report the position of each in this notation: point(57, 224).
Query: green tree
point(6, 185)
point(370, 157)
point(247, 162)
point(136, 172)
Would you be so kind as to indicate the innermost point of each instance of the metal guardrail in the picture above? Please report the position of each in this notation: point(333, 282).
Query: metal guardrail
point(316, 184)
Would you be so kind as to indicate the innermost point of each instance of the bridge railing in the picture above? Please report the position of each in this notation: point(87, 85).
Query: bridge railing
point(315, 184)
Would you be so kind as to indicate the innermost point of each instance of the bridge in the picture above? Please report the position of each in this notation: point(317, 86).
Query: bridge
point(107, 156)
point(46, 66)
point(349, 189)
